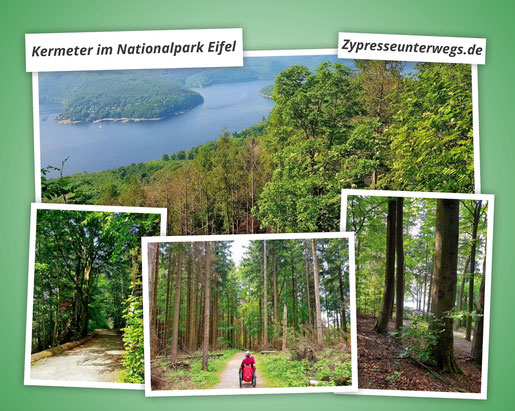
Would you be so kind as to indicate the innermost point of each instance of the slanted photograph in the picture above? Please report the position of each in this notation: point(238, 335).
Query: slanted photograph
point(84, 307)
point(249, 314)
point(266, 147)
point(423, 280)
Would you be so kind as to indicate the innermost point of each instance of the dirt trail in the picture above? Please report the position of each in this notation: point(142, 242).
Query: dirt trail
point(229, 377)
point(461, 343)
point(97, 360)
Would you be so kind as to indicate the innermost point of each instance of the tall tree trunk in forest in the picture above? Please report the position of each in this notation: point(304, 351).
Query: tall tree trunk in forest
point(342, 299)
point(168, 297)
point(317, 293)
point(445, 280)
point(476, 216)
point(308, 291)
point(85, 299)
point(207, 286)
point(293, 292)
point(285, 324)
point(477, 342)
point(192, 333)
point(57, 310)
point(462, 290)
point(399, 286)
point(430, 293)
point(381, 325)
point(177, 305)
point(265, 291)
point(276, 297)
point(153, 269)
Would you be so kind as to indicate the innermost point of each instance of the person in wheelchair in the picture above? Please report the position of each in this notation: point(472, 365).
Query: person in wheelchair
point(248, 361)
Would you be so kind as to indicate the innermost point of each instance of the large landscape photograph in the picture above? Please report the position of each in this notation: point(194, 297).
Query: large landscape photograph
point(240, 314)
point(266, 147)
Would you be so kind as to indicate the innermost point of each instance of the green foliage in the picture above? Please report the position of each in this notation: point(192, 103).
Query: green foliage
point(431, 135)
point(332, 368)
point(419, 338)
point(133, 358)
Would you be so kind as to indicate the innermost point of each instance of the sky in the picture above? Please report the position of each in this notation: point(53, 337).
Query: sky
point(238, 249)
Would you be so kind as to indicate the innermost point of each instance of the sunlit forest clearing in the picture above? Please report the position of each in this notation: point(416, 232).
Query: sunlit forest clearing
point(375, 126)
point(87, 298)
point(420, 280)
point(285, 300)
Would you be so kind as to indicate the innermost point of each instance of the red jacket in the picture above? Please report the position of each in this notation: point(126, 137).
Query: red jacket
point(248, 360)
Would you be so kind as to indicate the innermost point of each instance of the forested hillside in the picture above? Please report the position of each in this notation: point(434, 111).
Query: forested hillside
point(420, 272)
point(286, 300)
point(91, 96)
point(373, 127)
point(87, 276)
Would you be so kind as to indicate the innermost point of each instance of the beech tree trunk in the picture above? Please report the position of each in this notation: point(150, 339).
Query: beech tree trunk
point(385, 314)
point(153, 263)
point(308, 290)
point(207, 286)
point(285, 323)
point(265, 291)
point(399, 287)
point(176, 305)
point(445, 280)
point(477, 342)
point(476, 216)
point(317, 293)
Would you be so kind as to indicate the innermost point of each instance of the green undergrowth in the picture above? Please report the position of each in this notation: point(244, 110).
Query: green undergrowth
point(194, 377)
point(332, 368)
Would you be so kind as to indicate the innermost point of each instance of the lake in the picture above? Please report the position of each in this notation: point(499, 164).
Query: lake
point(90, 148)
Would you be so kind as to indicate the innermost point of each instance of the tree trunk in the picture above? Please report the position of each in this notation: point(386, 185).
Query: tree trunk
point(276, 298)
point(342, 299)
point(381, 325)
point(477, 342)
point(207, 286)
point(445, 280)
point(265, 291)
point(308, 290)
point(317, 293)
point(285, 323)
point(462, 290)
point(168, 297)
point(476, 216)
point(399, 287)
point(177, 305)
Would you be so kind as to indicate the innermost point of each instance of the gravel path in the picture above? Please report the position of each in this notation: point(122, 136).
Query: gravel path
point(229, 377)
point(97, 360)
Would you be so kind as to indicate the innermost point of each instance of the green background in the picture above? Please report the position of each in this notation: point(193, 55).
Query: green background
point(267, 25)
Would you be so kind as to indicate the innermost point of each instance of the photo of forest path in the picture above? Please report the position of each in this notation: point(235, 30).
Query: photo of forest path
point(87, 298)
point(270, 146)
point(282, 306)
point(420, 290)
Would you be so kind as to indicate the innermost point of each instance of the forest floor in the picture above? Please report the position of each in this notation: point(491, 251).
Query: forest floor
point(229, 377)
point(98, 360)
point(380, 365)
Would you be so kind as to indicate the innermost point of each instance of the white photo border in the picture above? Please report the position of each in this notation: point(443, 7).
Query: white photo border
point(27, 380)
point(260, 53)
point(488, 285)
point(146, 314)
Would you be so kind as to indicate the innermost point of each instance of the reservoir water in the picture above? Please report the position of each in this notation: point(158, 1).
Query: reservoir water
point(90, 148)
